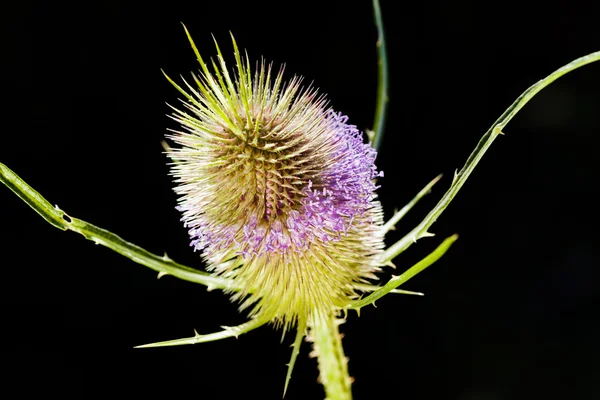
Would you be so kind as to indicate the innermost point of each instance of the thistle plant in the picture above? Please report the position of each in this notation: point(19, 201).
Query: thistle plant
point(278, 194)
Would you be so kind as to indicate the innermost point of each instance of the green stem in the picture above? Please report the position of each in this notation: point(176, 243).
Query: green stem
point(59, 219)
point(227, 332)
point(382, 80)
point(396, 281)
point(333, 364)
point(486, 141)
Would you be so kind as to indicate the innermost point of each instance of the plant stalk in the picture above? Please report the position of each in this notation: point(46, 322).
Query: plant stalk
point(333, 364)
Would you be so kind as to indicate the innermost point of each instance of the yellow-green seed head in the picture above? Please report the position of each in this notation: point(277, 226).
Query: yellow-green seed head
point(277, 190)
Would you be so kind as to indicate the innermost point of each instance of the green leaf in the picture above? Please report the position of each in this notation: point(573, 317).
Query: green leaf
point(59, 219)
point(401, 279)
point(227, 332)
point(484, 143)
point(300, 333)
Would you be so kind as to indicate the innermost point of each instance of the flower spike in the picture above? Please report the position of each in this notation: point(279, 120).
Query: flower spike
point(276, 189)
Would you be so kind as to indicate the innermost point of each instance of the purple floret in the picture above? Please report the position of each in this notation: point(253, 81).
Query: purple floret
point(345, 190)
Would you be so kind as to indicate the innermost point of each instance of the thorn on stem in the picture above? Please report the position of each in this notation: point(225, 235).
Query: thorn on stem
point(161, 274)
point(455, 176)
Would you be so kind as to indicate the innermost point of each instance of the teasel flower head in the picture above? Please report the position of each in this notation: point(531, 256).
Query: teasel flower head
point(277, 190)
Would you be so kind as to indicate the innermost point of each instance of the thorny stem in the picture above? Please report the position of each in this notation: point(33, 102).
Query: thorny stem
point(486, 141)
point(333, 364)
point(227, 332)
point(59, 219)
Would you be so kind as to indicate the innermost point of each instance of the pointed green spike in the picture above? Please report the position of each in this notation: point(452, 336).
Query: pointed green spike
point(400, 214)
point(198, 56)
point(227, 332)
point(300, 333)
point(371, 288)
point(411, 272)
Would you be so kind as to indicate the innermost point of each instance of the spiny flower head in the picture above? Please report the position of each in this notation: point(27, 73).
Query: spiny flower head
point(276, 189)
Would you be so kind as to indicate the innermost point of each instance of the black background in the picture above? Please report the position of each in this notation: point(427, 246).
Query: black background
point(509, 312)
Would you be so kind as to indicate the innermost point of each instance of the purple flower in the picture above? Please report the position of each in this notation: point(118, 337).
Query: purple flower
point(277, 190)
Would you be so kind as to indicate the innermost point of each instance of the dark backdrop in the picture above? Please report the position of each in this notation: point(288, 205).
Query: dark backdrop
point(508, 313)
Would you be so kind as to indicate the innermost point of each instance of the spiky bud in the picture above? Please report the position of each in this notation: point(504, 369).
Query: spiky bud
point(277, 190)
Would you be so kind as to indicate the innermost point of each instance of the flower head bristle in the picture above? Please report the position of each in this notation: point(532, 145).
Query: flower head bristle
point(276, 189)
